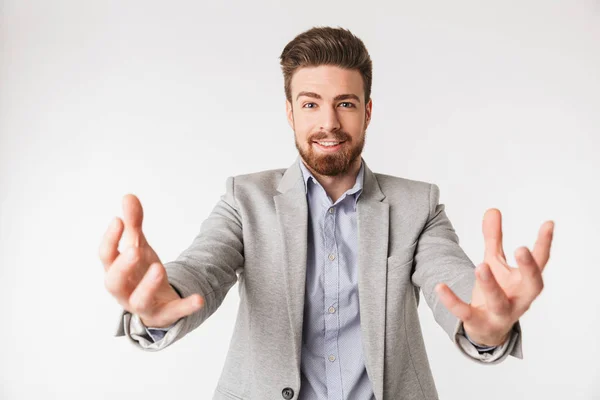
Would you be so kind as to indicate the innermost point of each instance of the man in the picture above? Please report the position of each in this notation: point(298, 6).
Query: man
point(330, 257)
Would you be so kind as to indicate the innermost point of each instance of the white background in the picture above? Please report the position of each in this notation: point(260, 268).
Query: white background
point(496, 102)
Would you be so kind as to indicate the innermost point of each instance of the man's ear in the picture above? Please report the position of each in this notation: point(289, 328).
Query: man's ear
point(368, 111)
point(290, 113)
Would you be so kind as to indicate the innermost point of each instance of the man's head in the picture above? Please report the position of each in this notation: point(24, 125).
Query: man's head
point(327, 77)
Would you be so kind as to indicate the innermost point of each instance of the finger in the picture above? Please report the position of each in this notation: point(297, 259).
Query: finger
point(532, 283)
point(181, 308)
point(495, 298)
point(133, 216)
point(142, 299)
point(453, 303)
point(125, 274)
point(492, 233)
point(109, 247)
point(541, 249)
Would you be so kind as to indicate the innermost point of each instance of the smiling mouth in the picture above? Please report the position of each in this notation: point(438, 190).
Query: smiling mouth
point(328, 143)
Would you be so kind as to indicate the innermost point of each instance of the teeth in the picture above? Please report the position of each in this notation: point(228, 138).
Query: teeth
point(328, 144)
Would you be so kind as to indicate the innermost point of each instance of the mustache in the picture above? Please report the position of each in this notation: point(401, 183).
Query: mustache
point(338, 135)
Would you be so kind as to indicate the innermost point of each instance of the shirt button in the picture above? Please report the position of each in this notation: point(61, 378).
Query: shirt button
point(331, 310)
point(332, 358)
point(332, 256)
point(331, 210)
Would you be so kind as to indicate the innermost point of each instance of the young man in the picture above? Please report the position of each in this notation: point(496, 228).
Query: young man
point(330, 257)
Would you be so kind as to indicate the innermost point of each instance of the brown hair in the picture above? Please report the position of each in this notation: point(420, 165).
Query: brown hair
point(326, 46)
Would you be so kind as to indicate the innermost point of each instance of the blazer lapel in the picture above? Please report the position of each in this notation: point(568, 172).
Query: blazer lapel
point(373, 231)
point(292, 215)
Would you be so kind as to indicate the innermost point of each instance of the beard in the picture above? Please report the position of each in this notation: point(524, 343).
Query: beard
point(334, 164)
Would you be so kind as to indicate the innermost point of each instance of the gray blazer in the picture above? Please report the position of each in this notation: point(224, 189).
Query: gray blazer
point(257, 235)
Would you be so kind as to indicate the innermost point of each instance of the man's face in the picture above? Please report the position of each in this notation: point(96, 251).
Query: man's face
point(329, 117)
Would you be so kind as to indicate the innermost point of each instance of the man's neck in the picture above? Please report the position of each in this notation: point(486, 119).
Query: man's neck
point(336, 186)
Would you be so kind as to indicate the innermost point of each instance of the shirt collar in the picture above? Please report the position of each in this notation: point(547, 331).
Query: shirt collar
point(355, 190)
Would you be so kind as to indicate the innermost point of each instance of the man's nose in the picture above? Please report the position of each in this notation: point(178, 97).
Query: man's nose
point(330, 121)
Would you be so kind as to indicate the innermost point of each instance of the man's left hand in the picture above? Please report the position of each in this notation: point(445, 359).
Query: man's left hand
point(501, 293)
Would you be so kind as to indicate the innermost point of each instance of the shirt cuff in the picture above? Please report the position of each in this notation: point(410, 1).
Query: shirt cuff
point(157, 333)
point(480, 348)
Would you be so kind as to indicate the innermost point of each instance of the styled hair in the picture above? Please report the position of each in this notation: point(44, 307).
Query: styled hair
point(326, 46)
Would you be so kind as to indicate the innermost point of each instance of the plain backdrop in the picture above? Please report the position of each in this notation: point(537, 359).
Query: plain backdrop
point(497, 102)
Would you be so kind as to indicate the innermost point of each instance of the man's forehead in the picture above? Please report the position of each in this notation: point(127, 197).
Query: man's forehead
point(326, 82)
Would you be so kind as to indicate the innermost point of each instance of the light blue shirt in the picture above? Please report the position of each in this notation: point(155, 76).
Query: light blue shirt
point(332, 362)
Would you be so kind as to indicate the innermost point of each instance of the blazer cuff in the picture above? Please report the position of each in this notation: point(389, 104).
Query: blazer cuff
point(138, 334)
point(512, 346)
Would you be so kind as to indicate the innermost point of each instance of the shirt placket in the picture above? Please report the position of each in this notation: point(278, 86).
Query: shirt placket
point(331, 284)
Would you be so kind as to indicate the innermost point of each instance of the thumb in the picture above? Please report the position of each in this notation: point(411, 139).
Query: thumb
point(133, 215)
point(174, 310)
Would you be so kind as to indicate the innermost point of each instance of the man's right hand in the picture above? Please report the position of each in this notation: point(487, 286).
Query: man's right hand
point(136, 277)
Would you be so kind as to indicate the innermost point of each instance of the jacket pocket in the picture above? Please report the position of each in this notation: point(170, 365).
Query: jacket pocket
point(401, 256)
point(400, 262)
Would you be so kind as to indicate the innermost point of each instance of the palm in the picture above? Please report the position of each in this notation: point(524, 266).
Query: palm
point(507, 277)
point(164, 293)
point(147, 257)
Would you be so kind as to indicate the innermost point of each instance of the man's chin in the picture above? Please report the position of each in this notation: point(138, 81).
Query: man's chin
point(333, 164)
point(328, 165)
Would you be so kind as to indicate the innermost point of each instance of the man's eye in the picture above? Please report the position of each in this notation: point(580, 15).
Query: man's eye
point(348, 104)
point(309, 104)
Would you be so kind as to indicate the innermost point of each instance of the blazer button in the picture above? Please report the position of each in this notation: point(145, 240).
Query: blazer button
point(287, 393)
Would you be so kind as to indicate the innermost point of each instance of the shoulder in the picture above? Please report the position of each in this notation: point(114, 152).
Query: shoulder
point(265, 178)
point(255, 184)
point(394, 185)
point(402, 193)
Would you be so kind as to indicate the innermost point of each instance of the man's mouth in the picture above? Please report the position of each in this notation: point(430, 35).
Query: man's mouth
point(329, 144)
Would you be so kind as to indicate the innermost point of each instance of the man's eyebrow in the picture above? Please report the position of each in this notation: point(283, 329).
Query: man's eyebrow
point(308, 94)
point(345, 96)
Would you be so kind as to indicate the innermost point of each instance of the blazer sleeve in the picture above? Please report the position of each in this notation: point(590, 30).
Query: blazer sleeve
point(209, 267)
point(439, 258)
